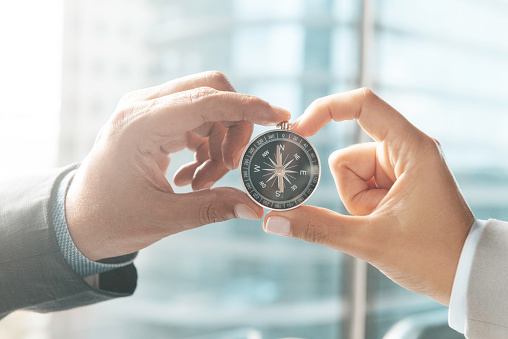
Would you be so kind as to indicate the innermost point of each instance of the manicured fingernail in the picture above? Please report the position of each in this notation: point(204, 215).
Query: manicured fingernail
point(278, 225)
point(245, 212)
point(208, 185)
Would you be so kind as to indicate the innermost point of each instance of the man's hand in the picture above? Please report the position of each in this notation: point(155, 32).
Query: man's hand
point(409, 217)
point(120, 201)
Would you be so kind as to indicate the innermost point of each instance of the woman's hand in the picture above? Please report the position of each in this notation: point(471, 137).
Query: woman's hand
point(409, 218)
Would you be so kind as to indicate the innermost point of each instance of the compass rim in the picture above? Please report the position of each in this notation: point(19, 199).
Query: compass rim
point(297, 204)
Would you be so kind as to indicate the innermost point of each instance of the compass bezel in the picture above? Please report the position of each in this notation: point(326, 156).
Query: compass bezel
point(296, 204)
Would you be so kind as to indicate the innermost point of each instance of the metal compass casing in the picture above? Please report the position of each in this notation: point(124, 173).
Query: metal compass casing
point(280, 169)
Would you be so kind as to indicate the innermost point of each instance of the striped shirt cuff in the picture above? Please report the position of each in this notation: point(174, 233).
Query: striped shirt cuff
point(79, 263)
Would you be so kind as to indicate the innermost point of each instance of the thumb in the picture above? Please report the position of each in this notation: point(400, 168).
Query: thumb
point(318, 225)
point(194, 209)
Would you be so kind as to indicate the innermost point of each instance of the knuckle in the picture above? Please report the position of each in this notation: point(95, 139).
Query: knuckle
point(438, 144)
point(315, 104)
point(218, 80)
point(252, 100)
point(367, 93)
point(340, 162)
point(129, 97)
point(315, 232)
point(216, 77)
point(209, 212)
point(432, 145)
point(122, 116)
point(199, 93)
point(337, 159)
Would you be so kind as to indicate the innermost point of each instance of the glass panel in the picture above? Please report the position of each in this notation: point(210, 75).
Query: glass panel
point(447, 76)
point(229, 278)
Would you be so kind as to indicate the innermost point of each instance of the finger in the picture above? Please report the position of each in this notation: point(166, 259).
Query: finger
point(190, 210)
point(375, 116)
point(195, 143)
point(360, 180)
point(320, 226)
point(237, 136)
point(213, 168)
point(236, 139)
point(175, 144)
point(208, 174)
point(183, 176)
point(187, 110)
point(162, 161)
point(212, 79)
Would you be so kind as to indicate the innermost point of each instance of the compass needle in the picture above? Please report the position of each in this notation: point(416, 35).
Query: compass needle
point(285, 177)
point(279, 169)
point(286, 165)
point(273, 176)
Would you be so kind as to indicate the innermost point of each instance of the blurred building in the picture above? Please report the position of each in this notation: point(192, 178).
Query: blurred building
point(105, 55)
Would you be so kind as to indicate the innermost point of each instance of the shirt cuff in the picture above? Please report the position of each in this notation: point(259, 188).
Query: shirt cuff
point(458, 312)
point(79, 263)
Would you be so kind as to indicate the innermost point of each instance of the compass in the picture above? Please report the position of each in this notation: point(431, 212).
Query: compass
point(280, 169)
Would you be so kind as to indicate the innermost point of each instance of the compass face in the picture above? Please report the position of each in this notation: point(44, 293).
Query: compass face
point(280, 169)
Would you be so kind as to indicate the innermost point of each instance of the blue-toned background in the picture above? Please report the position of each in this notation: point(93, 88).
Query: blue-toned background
point(444, 65)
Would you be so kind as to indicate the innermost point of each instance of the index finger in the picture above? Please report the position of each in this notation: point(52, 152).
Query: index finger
point(212, 79)
point(374, 115)
point(185, 111)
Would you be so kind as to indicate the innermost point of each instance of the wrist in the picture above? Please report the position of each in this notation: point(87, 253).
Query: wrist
point(449, 274)
point(76, 214)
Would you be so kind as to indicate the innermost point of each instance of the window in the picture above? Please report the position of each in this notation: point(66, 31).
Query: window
point(231, 280)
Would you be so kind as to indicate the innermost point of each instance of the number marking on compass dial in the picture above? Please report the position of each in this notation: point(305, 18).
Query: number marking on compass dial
point(280, 169)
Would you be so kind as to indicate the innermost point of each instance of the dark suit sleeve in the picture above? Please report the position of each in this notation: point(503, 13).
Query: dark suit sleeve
point(33, 273)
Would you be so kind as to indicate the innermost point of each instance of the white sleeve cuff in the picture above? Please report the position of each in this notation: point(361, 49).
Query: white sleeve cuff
point(458, 301)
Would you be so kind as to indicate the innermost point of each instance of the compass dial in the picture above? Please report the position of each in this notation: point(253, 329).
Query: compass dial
point(280, 169)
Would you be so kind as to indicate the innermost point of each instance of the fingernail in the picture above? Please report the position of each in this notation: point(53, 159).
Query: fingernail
point(278, 225)
point(208, 185)
point(294, 124)
point(245, 212)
